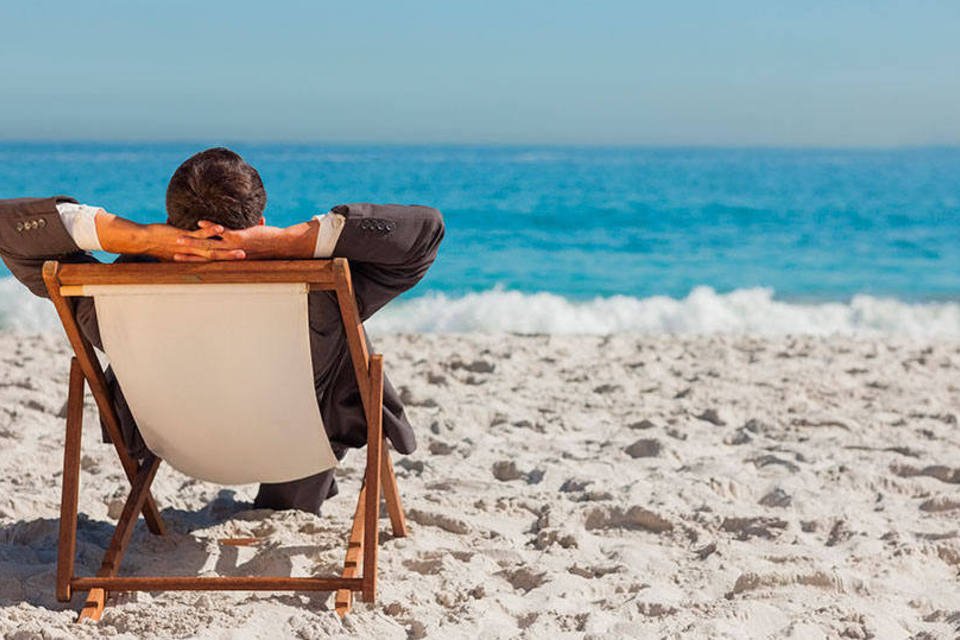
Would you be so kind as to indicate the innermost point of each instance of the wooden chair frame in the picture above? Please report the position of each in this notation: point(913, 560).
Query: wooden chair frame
point(64, 281)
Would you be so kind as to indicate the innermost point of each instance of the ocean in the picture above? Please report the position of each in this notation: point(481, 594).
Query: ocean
point(596, 240)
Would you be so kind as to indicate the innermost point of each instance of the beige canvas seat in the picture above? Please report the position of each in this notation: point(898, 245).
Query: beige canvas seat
point(215, 363)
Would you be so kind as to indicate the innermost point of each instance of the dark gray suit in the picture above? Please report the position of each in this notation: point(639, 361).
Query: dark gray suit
point(390, 248)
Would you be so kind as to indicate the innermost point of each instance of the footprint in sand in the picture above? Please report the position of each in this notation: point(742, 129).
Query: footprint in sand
point(439, 520)
point(429, 566)
point(644, 448)
point(941, 472)
point(746, 528)
point(713, 417)
point(776, 498)
point(571, 485)
point(594, 572)
point(441, 448)
point(524, 579)
point(770, 459)
point(940, 503)
point(476, 366)
point(753, 581)
point(506, 471)
point(636, 518)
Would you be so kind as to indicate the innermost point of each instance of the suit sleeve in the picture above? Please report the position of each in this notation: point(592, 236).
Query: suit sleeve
point(390, 248)
point(32, 232)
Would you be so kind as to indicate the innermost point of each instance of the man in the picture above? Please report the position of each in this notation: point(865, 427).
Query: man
point(215, 203)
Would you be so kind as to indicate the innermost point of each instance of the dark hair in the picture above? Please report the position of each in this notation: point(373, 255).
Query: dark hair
point(215, 185)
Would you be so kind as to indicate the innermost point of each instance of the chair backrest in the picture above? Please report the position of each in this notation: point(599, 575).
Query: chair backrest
point(218, 377)
point(214, 360)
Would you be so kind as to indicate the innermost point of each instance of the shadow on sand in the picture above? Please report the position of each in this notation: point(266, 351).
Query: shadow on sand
point(28, 552)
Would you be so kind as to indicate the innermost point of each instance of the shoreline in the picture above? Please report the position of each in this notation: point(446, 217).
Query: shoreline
point(742, 312)
point(696, 487)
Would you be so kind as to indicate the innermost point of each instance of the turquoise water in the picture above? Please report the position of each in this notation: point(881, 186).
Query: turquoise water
point(588, 225)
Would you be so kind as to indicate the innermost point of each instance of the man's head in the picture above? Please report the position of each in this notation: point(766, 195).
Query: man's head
point(215, 185)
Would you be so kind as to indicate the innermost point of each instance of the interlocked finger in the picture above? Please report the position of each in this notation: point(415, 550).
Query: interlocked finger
point(207, 230)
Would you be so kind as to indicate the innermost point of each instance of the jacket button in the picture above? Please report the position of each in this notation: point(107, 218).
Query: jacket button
point(41, 223)
point(19, 226)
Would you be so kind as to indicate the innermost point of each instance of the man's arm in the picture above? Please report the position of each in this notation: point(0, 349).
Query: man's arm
point(118, 235)
point(315, 238)
point(389, 235)
point(33, 230)
point(262, 242)
point(390, 247)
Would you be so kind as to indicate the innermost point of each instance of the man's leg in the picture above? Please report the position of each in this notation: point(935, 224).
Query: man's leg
point(306, 494)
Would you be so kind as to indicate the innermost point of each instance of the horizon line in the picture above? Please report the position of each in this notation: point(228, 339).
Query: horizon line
point(478, 144)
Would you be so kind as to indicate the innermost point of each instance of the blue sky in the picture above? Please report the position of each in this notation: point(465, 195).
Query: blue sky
point(811, 73)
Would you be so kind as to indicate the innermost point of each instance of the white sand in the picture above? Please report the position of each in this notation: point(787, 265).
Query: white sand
point(567, 487)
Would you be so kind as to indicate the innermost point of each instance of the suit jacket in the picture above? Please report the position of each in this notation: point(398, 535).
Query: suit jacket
point(390, 248)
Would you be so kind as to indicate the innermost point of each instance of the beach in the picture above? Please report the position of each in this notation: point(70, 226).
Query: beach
point(669, 292)
point(669, 486)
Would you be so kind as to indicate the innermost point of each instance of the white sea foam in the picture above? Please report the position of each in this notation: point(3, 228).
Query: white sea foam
point(22, 311)
point(704, 310)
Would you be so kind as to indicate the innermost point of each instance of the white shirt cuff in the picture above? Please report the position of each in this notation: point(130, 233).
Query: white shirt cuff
point(331, 224)
point(80, 221)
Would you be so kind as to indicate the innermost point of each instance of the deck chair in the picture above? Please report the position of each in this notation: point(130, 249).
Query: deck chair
point(265, 427)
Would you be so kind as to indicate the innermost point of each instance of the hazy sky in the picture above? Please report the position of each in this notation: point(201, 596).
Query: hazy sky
point(764, 72)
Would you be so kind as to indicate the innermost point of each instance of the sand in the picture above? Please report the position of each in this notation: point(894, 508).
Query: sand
point(565, 487)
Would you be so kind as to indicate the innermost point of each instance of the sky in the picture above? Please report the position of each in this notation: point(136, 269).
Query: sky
point(736, 73)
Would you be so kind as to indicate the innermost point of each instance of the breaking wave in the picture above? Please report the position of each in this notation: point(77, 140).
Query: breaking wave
point(753, 311)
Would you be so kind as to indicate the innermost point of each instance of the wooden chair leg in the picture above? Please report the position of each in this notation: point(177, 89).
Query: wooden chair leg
point(351, 567)
point(391, 495)
point(371, 531)
point(94, 605)
point(364, 536)
point(67, 545)
point(96, 599)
